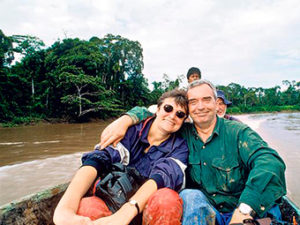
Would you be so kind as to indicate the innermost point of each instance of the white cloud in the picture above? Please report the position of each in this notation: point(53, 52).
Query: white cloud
point(251, 42)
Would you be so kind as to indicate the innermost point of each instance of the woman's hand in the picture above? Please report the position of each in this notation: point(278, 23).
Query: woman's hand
point(68, 218)
point(115, 131)
point(110, 220)
point(122, 217)
point(128, 211)
point(65, 212)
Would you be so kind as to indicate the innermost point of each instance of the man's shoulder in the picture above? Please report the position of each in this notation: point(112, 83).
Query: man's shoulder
point(234, 123)
point(229, 117)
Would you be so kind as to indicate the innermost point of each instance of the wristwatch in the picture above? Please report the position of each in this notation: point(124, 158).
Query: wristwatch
point(134, 203)
point(246, 210)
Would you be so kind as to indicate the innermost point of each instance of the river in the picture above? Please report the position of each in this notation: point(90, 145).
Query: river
point(33, 158)
point(282, 132)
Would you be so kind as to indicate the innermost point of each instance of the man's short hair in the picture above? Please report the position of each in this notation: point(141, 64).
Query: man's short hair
point(193, 70)
point(196, 83)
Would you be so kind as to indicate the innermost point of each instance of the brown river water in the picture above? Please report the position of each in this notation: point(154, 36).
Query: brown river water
point(34, 158)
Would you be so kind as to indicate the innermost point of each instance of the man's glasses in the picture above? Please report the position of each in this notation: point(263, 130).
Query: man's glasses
point(169, 108)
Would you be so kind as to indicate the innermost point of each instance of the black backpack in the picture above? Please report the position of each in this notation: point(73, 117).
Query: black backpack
point(118, 186)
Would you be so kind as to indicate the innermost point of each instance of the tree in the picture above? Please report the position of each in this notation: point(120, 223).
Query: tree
point(75, 68)
point(157, 91)
point(31, 71)
point(159, 87)
point(26, 44)
point(122, 69)
point(6, 50)
point(290, 95)
point(6, 57)
point(235, 93)
point(272, 96)
point(135, 91)
point(250, 97)
point(169, 84)
point(88, 88)
point(123, 58)
point(55, 60)
point(259, 92)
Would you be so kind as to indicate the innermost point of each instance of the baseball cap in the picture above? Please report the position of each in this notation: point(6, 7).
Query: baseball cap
point(221, 94)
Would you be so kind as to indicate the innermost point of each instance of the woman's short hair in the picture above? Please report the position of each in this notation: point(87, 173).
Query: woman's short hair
point(179, 96)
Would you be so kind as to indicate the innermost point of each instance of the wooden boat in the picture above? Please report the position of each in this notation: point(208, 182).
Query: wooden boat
point(34, 209)
point(38, 208)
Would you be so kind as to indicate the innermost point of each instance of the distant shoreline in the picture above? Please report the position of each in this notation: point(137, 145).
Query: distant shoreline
point(31, 121)
point(38, 121)
point(264, 112)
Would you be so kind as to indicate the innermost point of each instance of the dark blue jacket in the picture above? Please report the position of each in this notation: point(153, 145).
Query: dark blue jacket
point(164, 163)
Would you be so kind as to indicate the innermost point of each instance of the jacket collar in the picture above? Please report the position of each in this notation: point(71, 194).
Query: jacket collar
point(166, 146)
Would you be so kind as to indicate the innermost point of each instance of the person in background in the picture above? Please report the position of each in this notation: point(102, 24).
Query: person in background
point(222, 104)
point(157, 152)
point(193, 73)
point(232, 173)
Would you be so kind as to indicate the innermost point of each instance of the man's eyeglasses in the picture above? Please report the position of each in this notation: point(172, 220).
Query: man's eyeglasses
point(169, 108)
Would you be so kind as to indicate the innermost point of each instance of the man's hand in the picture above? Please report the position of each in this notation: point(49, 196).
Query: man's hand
point(238, 217)
point(115, 131)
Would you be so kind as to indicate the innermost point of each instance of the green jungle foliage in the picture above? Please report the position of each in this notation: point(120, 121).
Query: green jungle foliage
point(75, 80)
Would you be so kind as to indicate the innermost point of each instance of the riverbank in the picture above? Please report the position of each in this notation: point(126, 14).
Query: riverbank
point(31, 121)
point(262, 109)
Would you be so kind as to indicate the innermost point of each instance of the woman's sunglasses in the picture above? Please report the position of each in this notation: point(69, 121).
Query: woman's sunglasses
point(169, 108)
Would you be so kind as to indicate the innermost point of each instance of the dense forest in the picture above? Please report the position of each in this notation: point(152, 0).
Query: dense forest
point(75, 80)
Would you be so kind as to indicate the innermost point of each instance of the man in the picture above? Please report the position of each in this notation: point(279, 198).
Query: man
point(193, 73)
point(233, 172)
point(222, 104)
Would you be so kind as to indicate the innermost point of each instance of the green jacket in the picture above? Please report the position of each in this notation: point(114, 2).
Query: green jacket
point(234, 165)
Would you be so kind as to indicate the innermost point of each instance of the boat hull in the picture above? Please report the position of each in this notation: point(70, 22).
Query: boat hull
point(33, 209)
point(38, 208)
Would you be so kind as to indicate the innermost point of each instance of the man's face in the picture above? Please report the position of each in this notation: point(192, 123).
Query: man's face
point(202, 105)
point(193, 77)
point(221, 107)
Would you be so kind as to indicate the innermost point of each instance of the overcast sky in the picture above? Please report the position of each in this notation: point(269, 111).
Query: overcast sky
point(255, 43)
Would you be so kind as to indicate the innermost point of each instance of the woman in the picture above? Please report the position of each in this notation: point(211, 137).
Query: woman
point(156, 151)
